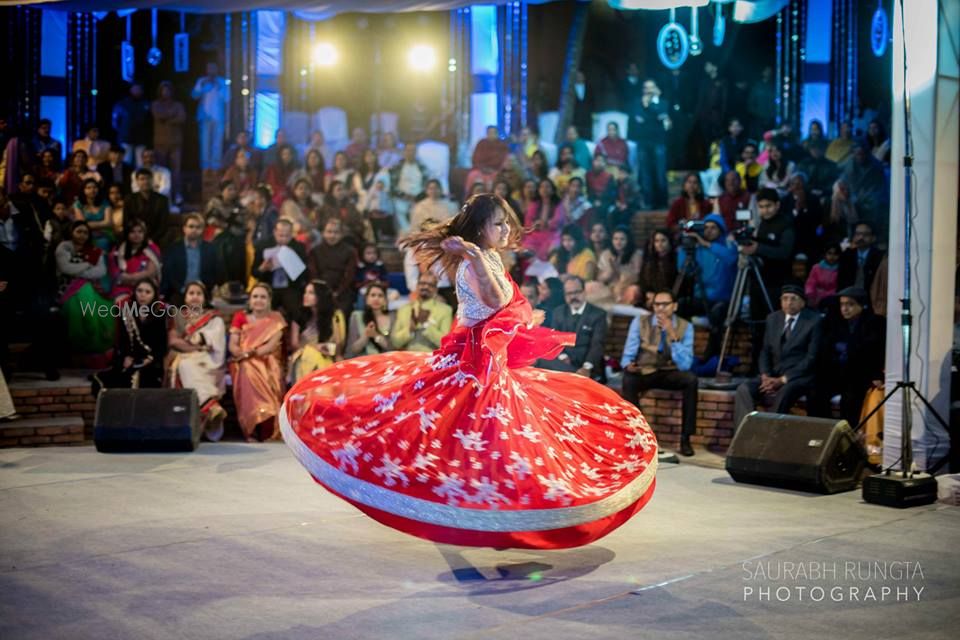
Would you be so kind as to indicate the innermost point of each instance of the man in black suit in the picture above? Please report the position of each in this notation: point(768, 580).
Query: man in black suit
point(582, 105)
point(589, 323)
point(286, 293)
point(149, 206)
point(851, 357)
point(859, 263)
point(787, 360)
point(190, 260)
point(115, 171)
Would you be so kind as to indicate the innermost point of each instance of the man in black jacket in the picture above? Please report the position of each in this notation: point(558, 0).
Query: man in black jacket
point(859, 263)
point(190, 260)
point(589, 323)
point(788, 359)
point(149, 206)
point(286, 292)
point(851, 357)
point(115, 171)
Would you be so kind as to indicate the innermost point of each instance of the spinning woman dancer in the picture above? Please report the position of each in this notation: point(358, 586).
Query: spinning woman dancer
point(470, 445)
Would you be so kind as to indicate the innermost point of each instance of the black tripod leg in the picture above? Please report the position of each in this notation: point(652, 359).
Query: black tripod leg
point(878, 407)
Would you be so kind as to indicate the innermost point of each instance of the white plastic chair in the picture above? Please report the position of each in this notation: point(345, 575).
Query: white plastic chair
point(547, 123)
point(383, 122)
point(601, 120)
point(435, 156)
point(297, 126)
point(550, 150)
point(332, 122)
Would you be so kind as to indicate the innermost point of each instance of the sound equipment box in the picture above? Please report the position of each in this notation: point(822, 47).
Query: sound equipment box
point(796, 452)
point(146, 420)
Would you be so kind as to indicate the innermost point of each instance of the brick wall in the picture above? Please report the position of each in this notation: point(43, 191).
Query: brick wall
point(30, 433)
point(714, 418)
point(56, 402)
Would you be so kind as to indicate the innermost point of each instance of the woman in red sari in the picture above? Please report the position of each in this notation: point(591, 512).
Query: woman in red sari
point(255, 368)
point(470, 445)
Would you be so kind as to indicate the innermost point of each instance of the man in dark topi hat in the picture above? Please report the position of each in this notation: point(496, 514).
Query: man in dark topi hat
point(851, 356)
point(787, 359)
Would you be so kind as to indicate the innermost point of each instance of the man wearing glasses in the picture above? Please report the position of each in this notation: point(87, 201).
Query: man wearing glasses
point(658, 355)
point(589, 322)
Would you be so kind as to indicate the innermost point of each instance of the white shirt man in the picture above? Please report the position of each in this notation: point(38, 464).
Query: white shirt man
point(161, 175)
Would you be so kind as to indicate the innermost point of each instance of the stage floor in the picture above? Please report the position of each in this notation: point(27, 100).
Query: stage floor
point(236, 541)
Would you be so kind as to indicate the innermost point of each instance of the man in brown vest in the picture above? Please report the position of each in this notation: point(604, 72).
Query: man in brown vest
point(658, 355)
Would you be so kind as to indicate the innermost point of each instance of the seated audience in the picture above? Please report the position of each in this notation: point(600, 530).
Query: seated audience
point(159, 175)
point(277, 174)
point(689, 205)
point(490, 152)
point(807, 217)
point(368, 170)
point(48, 167)
point(242, 143)
point(421, 324)
point(255, 367)
point(81, 268)
point(869, 191)
point(334, 260)
point(142, 344)
point(197, 338)
point(115, 209)
point(435, 207)
point(529, 290)
point(581, 152)
point(852, 357)
point(359, 143)
point(589, 323)
point(263, 216)
point(777, 171)
point(839, 150)
point(731, 146)
point(879, 142)
point(859, 263)
point(613, 148)
point(549, 297)
point(658, 354)
point(602, 188)
point(711, 274)
point(733, 199)
point(241, 173)
point(369, 330)
point(286, 291)
point(341, 171)
point(370, 268)
point(618, 269)
point(93, 210)
point(227, 230)
point(658, 270)
point(91, 144)
point(821, 173)
point(821, 284)
point(388, 150)
point(574, 258)
point(544, 217)
point(376, 206)
point(314, 171)
point(788, 358)
point(301, 210)
point(339, 206)
point(748, 167)
point(149, 206)
point(407, 181)
point(511, 173)
point(574, 206)
point(135, 259)
point(190, 260)
point(70, 183)
point(318, 334)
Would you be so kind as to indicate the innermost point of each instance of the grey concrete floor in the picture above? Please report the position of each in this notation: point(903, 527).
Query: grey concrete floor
point(236, 541)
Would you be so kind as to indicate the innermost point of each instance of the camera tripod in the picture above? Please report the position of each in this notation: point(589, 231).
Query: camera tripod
point(746, 266)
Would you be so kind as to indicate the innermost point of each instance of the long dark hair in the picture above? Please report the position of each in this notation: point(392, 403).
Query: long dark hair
point(368, 315)
point(128, 251)
point(579, 244)
point(467, 224)
point(203, 288)
point(780, 169)
point(544, 167)
point(658, 272)
point(321, 165)
point(554, 200)
point(322, 312)
point(97, 199)
point(628, 250)
point(556, 294)
point(696, 175)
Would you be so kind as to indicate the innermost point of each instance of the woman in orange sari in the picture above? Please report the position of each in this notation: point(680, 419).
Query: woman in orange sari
point(255, 368)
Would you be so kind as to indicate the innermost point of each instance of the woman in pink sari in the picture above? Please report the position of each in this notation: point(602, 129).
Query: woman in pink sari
point(545, 218)
point(255, 368)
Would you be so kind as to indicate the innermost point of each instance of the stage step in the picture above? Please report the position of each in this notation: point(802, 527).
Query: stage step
point(36, 398)
point(40, 432)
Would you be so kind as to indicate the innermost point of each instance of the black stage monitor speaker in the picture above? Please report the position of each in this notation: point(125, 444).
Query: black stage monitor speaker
point(146, 420)
point(796, 452)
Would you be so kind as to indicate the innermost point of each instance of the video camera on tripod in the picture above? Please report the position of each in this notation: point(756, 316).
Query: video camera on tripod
point(745, 233)
point(697, 227)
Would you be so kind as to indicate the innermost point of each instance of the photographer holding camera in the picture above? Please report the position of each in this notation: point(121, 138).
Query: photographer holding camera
point(708, 261)
point(773, 243)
